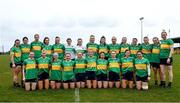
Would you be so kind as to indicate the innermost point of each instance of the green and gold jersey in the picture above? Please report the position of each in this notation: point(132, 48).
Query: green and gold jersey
point(43, 64)
point(123, 48)
point(30, 69)
point(68, 73)
point(91, 63)
point(146, 49)
point(56, 70)
point(127, 64)
point(48, 50)
point(141, 67)
point(59, 48)
point(114, 47)
point(92, 46)
point(155, 53)
point(134, 49)
point(16, 52)
point(165, 48)
point(25, 50)
point(114, 65)
point(103, 48)
point(80, 65)
point(102, 66)
point(36, 47)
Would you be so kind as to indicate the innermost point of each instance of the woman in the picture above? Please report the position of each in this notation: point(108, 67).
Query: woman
point(92, 45)
point(146, 48)
point(102, 71)
point(30, 73)
point(142, 71)
point(127, 68)
point(114, 46)
point(25, 50)
point(58, 48)
point(166, 60)
point(114, 70)
point(80, 48)
point(91, 69)
point(80, 70)
point(123, 47)
point(47, 48)
point(68, 73)
point(36, 46)
point(103, 47)
point(134, 47)
point(43, 64)
point(69, 48)
point(15, 54)
point(155, 60)
point(56, 72)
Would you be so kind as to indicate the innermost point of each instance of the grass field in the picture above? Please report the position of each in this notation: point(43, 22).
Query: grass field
point(8, 93)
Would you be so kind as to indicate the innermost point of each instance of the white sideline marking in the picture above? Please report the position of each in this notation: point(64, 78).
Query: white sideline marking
point(76, 93)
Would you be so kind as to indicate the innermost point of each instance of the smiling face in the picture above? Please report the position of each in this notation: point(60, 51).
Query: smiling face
point(124, 40)
point(164, 35)
point(146, 40)
point(139, 55)
point(69, 41)
point(102, 55)
point(17, 43)
point(79, 41)
point(155, 40)
point(57, 40)
point(36, 37)
point(113, 40)
point(25, 41)
point(31, 55)
point(68, 56)
point(43, 54)
point(127, 53)
point(90, 52)
point(46, 41)
point(79, 55)
point(92, 39)
point(113, 54)
point(134, 41)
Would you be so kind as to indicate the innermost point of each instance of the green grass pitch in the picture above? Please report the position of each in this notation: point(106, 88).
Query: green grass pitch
point(8, 93)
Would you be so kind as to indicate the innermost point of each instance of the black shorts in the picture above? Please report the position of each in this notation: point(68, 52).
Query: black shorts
point(102, 77)
point(155, 65)
point(163, 61)
point(31, 80)
point(68, 81)
point(17, 64)
point(43, 76)
point(128, 76)
point(80, 77)
point(143, 79)
point(57, 81)
point(114, 76)
point(91, 75)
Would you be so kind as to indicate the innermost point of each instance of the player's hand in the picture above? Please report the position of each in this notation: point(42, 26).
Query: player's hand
point(149, 78)
point(168, 61)
point(13, 65)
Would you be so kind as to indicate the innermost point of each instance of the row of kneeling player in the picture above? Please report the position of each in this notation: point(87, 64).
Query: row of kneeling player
point(90, 72)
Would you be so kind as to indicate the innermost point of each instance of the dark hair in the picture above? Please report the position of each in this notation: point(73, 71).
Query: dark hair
point(25, 38)
point(68, 39)
point(101, 53)
point(146, 37)
point(139, 51)
point(57, 37)
point(103, 37)
point(45, 39)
